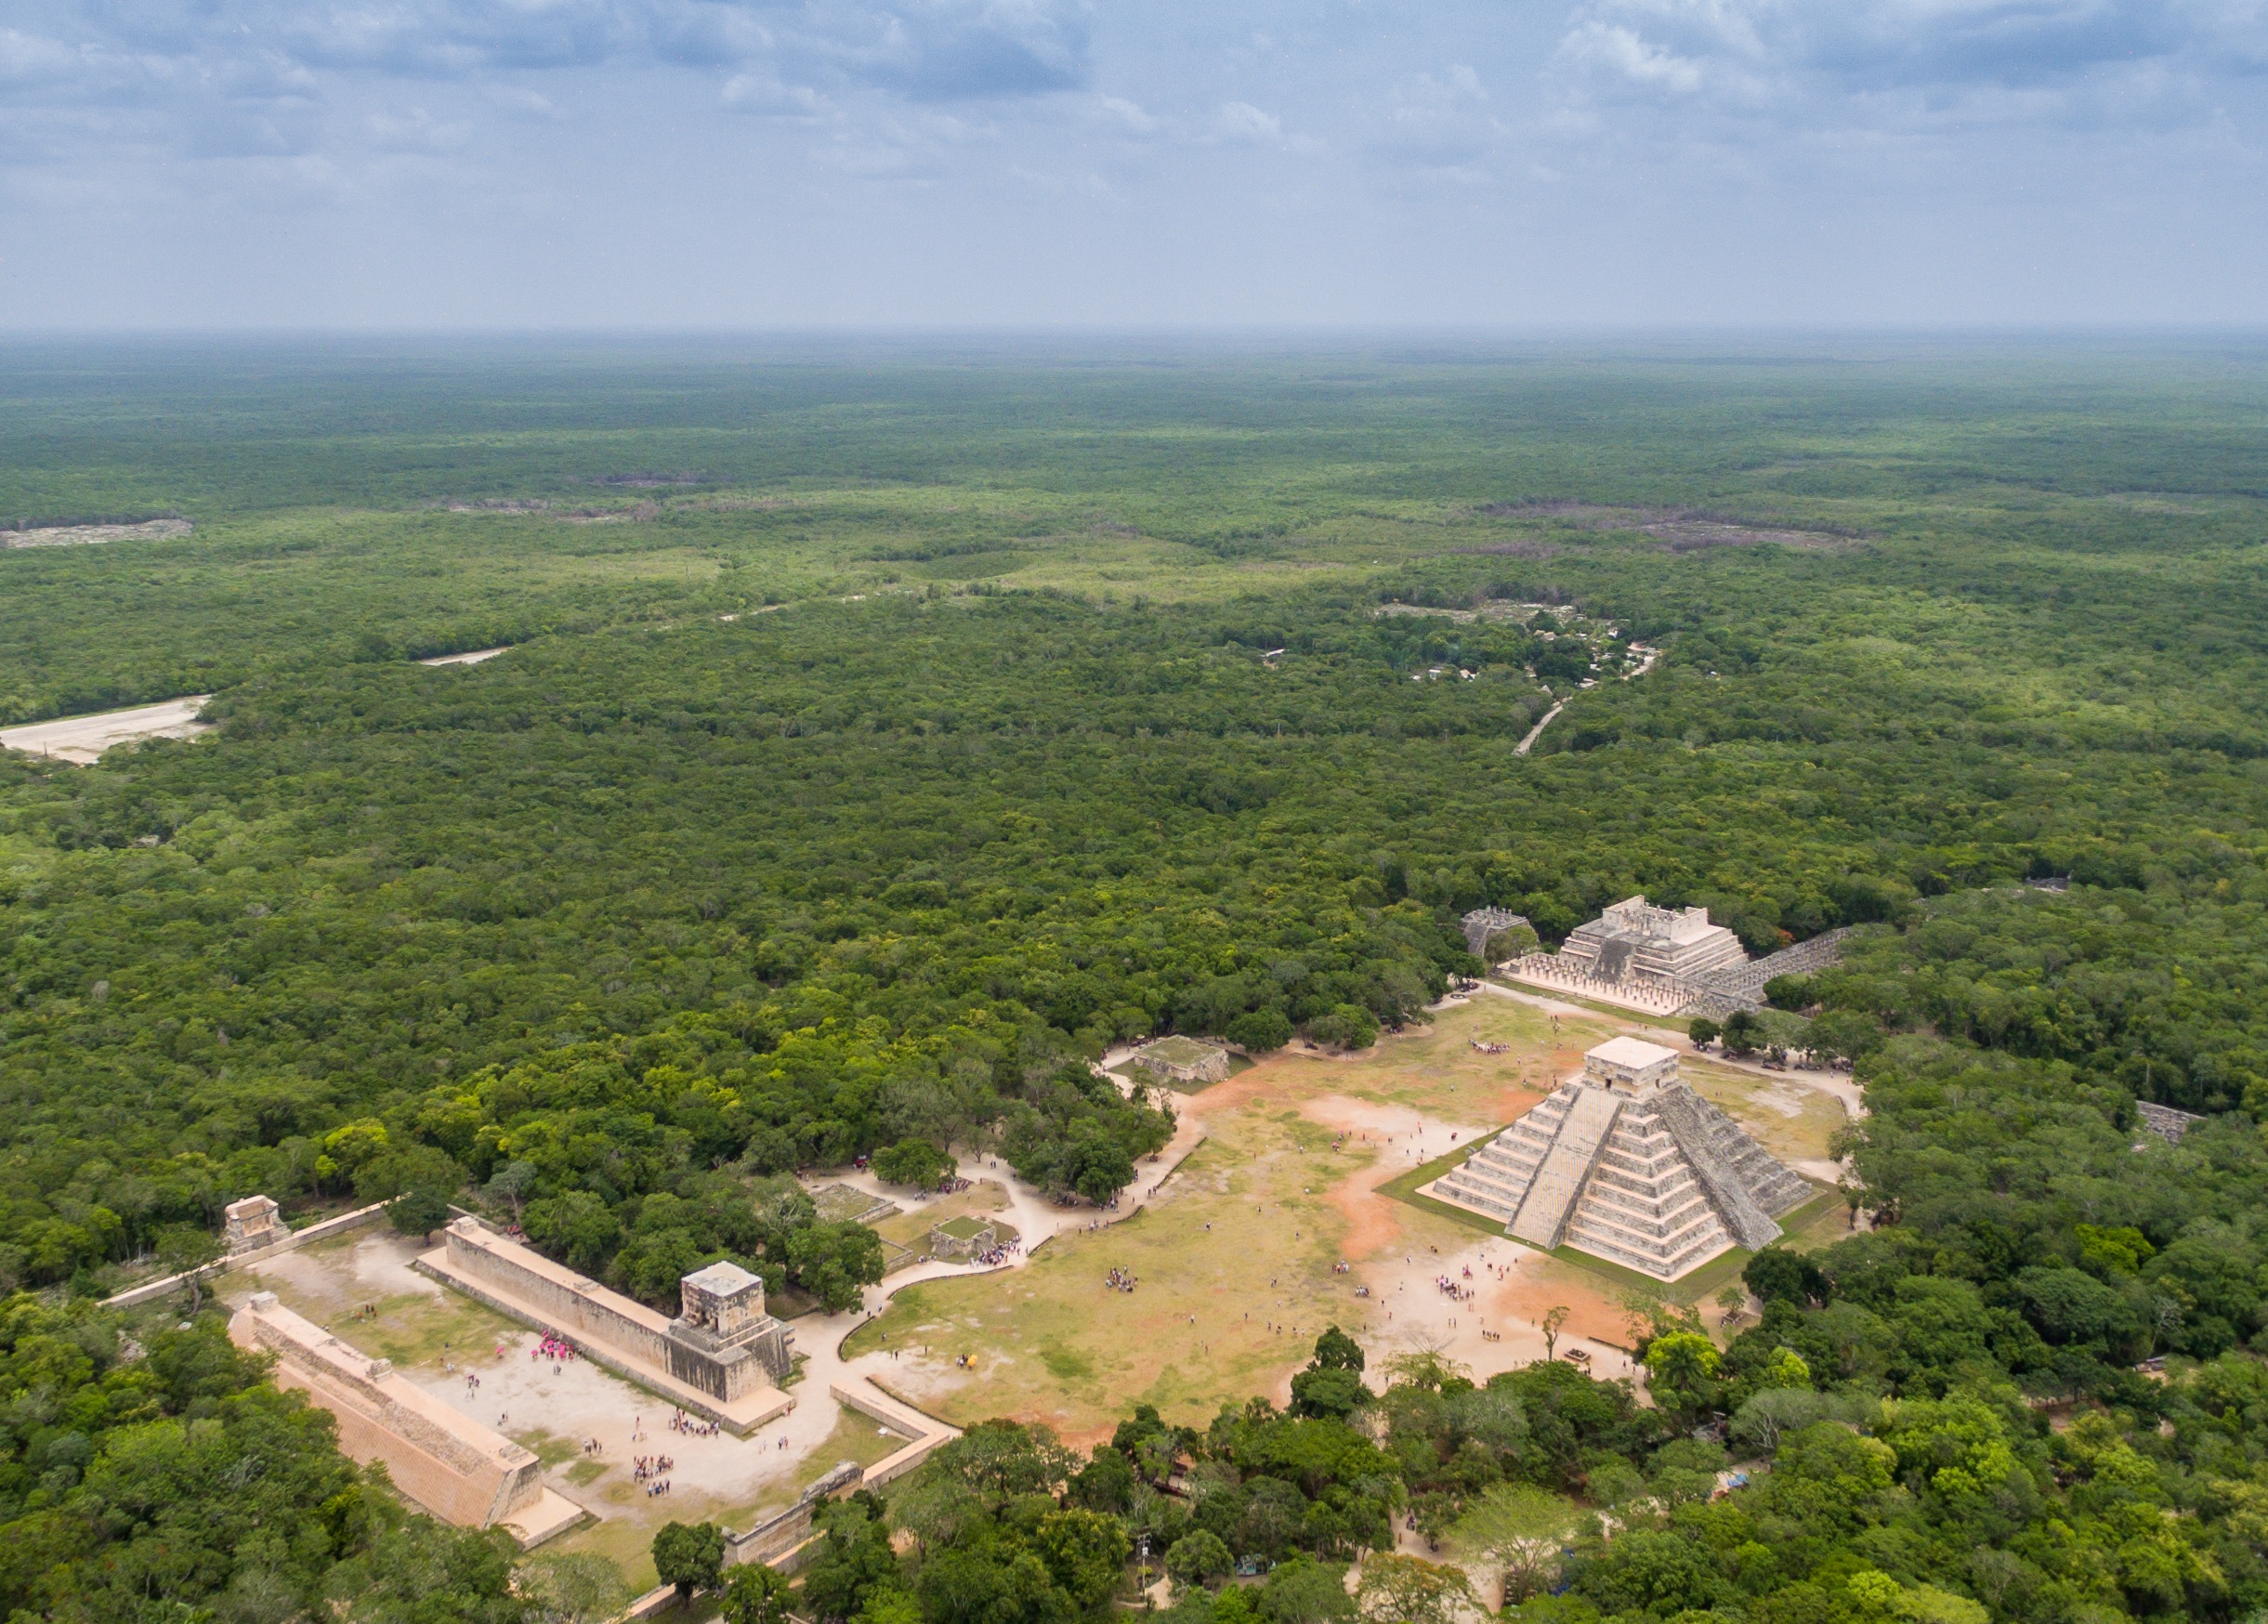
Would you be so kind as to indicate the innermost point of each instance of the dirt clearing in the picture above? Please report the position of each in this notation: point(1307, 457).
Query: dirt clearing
point(82, 740)
point(82, 535)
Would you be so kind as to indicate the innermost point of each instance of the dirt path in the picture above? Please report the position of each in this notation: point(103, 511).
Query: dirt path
point(1536, 731)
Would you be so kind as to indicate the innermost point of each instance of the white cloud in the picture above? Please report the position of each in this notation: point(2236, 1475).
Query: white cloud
point(1891, 65)
point(767, 96)
point(1240, 121)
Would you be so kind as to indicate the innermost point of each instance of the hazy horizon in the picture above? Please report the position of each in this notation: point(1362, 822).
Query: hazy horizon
point(1055, 165)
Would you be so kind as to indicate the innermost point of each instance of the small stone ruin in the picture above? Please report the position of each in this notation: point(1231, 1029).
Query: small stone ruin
point(252, 1226)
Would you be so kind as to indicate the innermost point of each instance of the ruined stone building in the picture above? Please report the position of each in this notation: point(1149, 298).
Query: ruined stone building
point(1634, 940)
point(723, 1356)
point(1626, 1162)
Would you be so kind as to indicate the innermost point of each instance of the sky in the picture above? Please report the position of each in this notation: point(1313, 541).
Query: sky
point(1183, 164)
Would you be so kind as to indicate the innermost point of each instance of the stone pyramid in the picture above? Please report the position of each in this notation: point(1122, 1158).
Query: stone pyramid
point(1629, 1164)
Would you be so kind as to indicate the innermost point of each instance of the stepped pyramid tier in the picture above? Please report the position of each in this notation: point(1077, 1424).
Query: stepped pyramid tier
point(1634, 941)
point(1626, 1162)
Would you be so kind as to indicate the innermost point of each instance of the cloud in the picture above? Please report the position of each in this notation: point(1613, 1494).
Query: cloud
point(225, 74)
point(1885, 63)
point(1440, 121)
point(767, 96)
point(1240, 121)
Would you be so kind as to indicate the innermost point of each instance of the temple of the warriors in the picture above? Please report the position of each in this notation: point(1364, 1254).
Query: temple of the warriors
point(447, 1462)
point(1626, 1162)
point(1668, 961)
point(1634, 939)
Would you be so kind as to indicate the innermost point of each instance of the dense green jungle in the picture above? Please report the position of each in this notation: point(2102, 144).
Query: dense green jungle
point(887, 729)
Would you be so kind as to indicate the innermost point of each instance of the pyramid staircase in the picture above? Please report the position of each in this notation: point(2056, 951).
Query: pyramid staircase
point(1660, 1181)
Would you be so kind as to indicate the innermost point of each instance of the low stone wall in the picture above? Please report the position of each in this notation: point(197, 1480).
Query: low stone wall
point(568, 1301)
point(611, 1331)
point(926, 1433)
point(449, 1464)
point(150, 1291)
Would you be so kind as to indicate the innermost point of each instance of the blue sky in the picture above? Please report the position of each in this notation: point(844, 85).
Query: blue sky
point(1078, 162)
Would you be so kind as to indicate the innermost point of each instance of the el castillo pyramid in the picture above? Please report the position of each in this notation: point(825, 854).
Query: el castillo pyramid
point(1629, 1164)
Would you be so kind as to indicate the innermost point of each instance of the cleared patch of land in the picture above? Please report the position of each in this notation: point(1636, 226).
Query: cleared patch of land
point(1235, 1255)
point(471, 657)
point(80, 536)
point(83, 739)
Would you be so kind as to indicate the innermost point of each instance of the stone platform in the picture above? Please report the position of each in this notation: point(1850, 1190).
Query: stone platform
point(455, 1468)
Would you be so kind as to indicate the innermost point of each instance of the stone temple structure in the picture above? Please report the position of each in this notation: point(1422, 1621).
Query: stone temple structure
point(1634, 940)
point(1626, 1162)
point(1668, 961)
point(723, 1355)
point(252, 1226)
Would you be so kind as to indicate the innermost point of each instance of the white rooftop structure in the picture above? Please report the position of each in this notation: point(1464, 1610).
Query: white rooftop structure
point(723, 1278)
point(1622, 1060)
point(1626, 1162)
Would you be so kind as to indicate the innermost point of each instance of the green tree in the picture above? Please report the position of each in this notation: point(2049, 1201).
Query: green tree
point(1086, 1551)
point(1106, 1484)
point(511, 1185)
point(913, 1161)
point(1743, 1033)
point(835, 1263)
point(1682, 1372)
point(1305, 1591)
point(1199, 1557)
point(572, 1587)
point(1554, 1318)
point(690, 1555)
point(187, 1249)
point(577, 1227)
point(417, 1213)
point(758, 1594)
point(1518, 1530)
point(1343, 1025)
point(1408, 1589)
point(1326, 1392)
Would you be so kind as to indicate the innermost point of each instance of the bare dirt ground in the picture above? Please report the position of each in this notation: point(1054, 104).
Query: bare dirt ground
point(82, 740)
point(1236, 1254)
point(81, 535)
point(472, 656)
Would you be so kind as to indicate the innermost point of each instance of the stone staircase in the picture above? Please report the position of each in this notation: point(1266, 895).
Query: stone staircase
point(1659, 1182)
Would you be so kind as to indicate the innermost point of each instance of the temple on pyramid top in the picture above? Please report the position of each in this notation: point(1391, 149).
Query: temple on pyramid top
point(1626, 1162)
